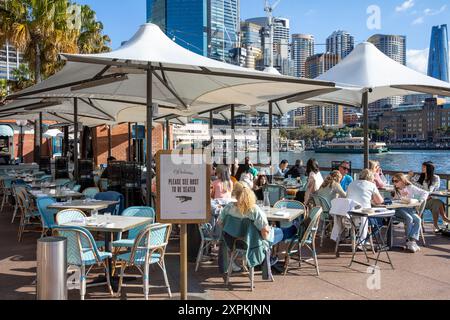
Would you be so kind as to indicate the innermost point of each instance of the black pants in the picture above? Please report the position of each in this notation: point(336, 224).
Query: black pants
point(300, 196)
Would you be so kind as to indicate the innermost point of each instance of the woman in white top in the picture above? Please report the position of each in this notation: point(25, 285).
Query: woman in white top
point(315, 179)
point(430, 182)
point(406, 190)
point(365, 192)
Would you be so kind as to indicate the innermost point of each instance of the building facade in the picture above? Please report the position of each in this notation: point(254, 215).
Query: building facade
point(438, 57)
point(340, 43)
point(394, 46)
point(302, 49)
point(418, 123)
point(206, 27)
point(320, 63)
point(10, 59)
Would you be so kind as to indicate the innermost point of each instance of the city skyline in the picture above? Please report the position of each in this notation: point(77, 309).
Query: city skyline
point(412, 18)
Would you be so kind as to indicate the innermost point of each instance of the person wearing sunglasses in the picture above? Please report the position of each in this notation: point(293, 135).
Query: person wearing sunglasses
point(404, 189)
point(344, 169)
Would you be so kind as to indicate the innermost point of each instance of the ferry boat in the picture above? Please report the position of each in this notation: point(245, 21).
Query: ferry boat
point(351, 144)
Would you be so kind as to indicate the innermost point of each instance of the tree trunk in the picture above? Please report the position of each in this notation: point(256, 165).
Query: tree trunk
point(37, 66)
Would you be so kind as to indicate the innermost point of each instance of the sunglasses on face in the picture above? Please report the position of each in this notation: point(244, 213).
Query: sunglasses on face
point(345, 168)
point(395, 181)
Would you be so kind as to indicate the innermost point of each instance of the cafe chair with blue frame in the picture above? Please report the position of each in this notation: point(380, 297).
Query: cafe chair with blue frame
point(149, 248)
point(83, 253)
point(47, 215)
point(208, 239)
point(114, 209)
point(326, 220)
point(28, 212)
point(144, 212)
point(305, 238)
point(90, 193)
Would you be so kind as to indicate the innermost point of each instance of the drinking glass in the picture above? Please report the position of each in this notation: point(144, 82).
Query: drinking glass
point(107, 217)
point(95, 215)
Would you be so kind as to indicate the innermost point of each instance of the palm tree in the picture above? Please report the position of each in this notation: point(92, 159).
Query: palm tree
point(41, 29)
point(22, 77)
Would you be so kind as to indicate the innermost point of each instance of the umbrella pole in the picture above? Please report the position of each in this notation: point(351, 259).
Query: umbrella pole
point(167, 134)
point(75, 134)
point(109, 142)
point(365, 103)
point(149, 124)
point(233, 137)
point(270, 131)
point(66, 141)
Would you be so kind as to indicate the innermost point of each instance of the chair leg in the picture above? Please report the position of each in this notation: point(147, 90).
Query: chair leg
point(316, 262)
point(422, 227)
point(199, 255)
point(166, 280)
point(123, 266)
point(145, 280)
point(230, 267)
point(108, 280)
point(14, 213)
point(82, 282)
point(252, 278)
point(3, 202)
point(336, 249)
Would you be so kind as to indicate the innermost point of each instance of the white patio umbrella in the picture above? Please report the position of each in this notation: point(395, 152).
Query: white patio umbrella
point(53, 133)
point(368, 75)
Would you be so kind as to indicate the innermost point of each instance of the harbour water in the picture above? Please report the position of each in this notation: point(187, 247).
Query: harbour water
point(404, 160)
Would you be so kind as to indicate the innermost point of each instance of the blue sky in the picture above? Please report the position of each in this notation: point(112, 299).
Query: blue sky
point(413, 18)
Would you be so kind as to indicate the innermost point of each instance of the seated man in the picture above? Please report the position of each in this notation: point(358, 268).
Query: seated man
point(344, 169)
point(282, 169)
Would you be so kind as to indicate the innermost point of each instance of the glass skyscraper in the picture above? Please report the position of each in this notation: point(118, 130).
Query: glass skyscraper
point(206, 27)
point(340, 43)
point(438, 58)
point(302, 49)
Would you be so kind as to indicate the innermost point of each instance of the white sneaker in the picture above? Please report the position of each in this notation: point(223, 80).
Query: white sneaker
point(235, 267)
point(415, 245)
point(410, 246)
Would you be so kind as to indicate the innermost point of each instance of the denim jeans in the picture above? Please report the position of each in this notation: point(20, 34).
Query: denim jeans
point(412, 220)
point(281, 234)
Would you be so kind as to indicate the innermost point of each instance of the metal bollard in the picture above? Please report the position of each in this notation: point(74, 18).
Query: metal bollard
point(51, 269)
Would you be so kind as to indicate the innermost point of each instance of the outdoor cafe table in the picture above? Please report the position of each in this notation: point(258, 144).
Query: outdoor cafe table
point(56, 195)
point(43, 185)
point(116, 224)
point(381, 242)
point(83, 205)
point(284, 215)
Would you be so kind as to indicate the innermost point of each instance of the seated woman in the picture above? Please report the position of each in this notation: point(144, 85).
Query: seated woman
point(246, 208)
point(247, 167)
point(222, 187)
point(331, 188)
point(430, 182)
point(406, 190)
point(375, 167)
point(258, 186)
point(247, 179)
point(315, 179)
point(364, 192)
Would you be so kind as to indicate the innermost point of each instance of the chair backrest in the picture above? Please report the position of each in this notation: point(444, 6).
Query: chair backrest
point(115, 209)
point(144, 212)
point(79, 240)
point(289, 204)
point(324, 204)
point(45, 178)
point(90, 192)
point(76, 188)
point(152, 238)
point(235, 231)
point(68, 215)
point(70, 184)
point(47, 215)
point(310, 234)
point(276, 193)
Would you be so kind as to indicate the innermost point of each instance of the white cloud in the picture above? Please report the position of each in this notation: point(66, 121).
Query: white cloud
point(418, 60)
point(419, 20)
point(433, 12)
point(408, 4)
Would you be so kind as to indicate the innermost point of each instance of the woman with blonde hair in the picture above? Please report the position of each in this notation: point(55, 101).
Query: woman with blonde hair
point(246, 208)
point(406, 190)
point(222, 187)
point(331, 188)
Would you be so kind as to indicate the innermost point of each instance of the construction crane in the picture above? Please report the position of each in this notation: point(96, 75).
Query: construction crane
point(268, 8)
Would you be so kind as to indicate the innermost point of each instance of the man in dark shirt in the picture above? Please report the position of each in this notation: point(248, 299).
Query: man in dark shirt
point(296, 171)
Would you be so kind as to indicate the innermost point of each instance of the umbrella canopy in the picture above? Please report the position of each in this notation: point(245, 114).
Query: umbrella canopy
point(180, 78)
point(365, 68)
point(53, 133)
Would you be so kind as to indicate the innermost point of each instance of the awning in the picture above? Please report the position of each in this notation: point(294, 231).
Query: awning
point(6, 131)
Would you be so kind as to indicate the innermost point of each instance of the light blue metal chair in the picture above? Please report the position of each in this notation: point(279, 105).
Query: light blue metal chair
point(276, 193)
point(114, 209)
point(149, 248)
point(144, 212)
point(69, 184)
point(76, 188)
point(83, 253)
point(325, 218)
point(28, 212)
point(69, 215)
point(61, 182)
point(305, 238)
point(90, 193)
point(46, 178)
point(47, 215)
point(207, 240)
point(5, 186)
point(290, 204)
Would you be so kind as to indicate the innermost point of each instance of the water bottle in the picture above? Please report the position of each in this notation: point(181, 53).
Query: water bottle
point(266, 205)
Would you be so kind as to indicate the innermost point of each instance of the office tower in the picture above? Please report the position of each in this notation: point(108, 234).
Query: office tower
point(280, 46)
point(302, 49)
point(340, 43)
point(438, 58)
point(10, 59)
point(394, 46)
point(251, 44)
point(320, 63)
point(206, 27)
